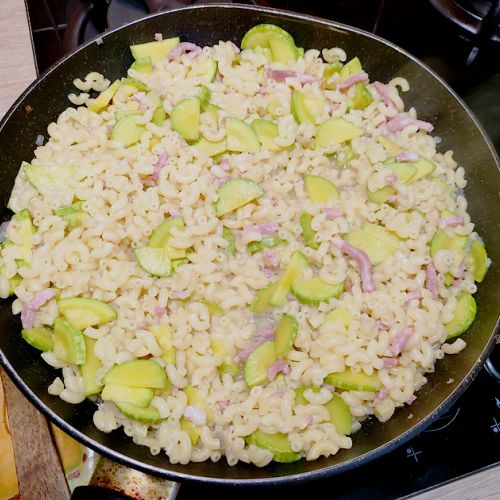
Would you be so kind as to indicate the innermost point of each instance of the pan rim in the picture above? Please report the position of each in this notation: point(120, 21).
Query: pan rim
point(323, 472)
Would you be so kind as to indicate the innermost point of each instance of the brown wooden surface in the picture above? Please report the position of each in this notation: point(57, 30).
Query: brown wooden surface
point(39, 471)
point(16, 52)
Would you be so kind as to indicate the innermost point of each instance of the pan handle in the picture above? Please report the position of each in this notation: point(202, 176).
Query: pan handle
point(113, 481)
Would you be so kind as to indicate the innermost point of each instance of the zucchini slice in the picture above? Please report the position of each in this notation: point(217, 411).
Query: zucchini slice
point(276, 443)
point(293, 271)
point(235, 193)
point(336, 131)
point(82, 313)
point(185, 118)
point(154, 50)
point(313, 291)
point(138, 396)
point(69, 344)
point(149, 415)
point(241, 137)
point(137, 373)
point(465, 314)
point(286, 331)
point(257, 364)
point(319, 189)
point(39, 338)
point(354, 381)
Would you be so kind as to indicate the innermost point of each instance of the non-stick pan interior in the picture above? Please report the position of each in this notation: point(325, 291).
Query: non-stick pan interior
point(207, 25)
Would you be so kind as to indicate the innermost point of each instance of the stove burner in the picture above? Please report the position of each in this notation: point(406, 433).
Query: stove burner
point(88, 18)
point(492, 364)
point(479, 19)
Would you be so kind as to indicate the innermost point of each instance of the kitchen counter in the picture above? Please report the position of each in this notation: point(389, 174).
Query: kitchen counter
point(19, 71)
point(16, 52)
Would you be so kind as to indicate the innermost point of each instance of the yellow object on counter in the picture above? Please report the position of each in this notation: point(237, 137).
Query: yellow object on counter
point(79, 462)
point(8, 477)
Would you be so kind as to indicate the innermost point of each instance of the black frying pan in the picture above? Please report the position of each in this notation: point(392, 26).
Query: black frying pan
point(45, 99)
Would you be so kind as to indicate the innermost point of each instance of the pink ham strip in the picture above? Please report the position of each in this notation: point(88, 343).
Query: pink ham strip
point(158, 37)
point(181, 295)
point(222, 405)
point(400, 340)
point(138, 96)
point(265, 334)
point(218, 181)
point(452, 220)
point(415, 295)
point(411, 399)
point(352, 80)
point(30, 308)
point(399, 123)
point(431, 279)
point(160, 163)
point(331, 213)
point(458, 280)
point(174, 212)
point(244, 353)
point(391, 179)
point(381, 395)
point(182, 48)
point(278, 394)
point(368, 285)
point(277, 367)
point(270, 259)
point(383, 91)
point(265, 228)
point(381, 325)
point(280, 75)
point(269, 273)
point(462, 269)
point(196, 415)
point(160, 311)
point(390, 362)
point(408, 156)
point(224, 164)
point(328, 387)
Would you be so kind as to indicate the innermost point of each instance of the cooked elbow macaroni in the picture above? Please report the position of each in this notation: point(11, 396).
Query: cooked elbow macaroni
point(125, 194)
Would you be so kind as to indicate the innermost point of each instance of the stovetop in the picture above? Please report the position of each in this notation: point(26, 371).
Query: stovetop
point(465, 439)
